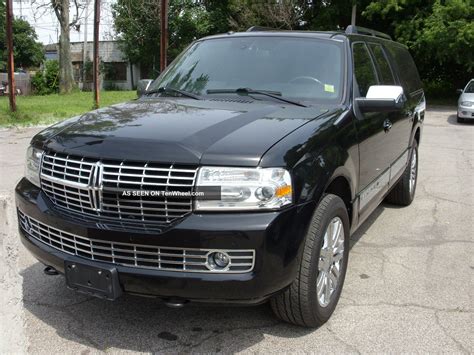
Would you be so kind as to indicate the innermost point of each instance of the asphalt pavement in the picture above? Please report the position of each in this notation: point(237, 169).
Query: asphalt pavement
point(409, 285)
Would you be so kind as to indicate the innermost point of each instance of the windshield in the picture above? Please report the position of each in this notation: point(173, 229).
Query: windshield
point(307, 69)
point(469, 88)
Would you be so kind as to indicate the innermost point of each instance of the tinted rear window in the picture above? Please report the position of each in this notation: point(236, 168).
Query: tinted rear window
point(406, 67)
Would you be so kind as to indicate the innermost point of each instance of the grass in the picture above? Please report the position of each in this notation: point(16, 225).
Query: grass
point(38, 110)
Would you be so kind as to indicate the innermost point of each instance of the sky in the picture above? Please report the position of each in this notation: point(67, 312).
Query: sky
point(46, 25)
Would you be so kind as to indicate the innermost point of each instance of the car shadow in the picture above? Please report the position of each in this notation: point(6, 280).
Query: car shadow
point(364, 227)
point(452, 119)
point(142, 324)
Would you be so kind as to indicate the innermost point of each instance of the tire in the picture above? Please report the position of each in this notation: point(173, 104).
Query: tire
point(403, 192)
point(299, 304)
point(460, 119)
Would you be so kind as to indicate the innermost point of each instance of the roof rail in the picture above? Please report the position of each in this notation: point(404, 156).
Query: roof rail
point(366, 31)
point(260, 28)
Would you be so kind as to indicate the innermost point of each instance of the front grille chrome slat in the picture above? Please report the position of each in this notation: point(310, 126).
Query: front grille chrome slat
point(149, 176)
point(165, 170)
point(94, 188)
point(134, 255)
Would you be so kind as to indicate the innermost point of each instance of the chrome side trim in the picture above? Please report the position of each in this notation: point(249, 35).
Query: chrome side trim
point(398, 166)
point(373, 189)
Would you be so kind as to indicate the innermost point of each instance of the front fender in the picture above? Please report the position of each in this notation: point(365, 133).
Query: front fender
point(316, 154)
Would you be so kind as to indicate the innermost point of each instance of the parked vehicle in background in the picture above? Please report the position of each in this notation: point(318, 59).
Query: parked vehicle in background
point(296, 136)
point(4, 89)
point(466, 102)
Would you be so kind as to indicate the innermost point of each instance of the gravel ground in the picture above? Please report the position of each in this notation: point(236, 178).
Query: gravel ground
point(409, 286)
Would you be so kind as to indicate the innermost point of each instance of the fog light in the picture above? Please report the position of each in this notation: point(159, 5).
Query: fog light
point(218, 260)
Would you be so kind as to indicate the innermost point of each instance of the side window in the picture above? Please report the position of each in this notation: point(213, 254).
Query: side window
point(385, 72)
point(364, 70)
point(406, 67)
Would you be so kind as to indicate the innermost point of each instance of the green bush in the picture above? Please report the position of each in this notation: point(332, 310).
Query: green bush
point(46, 82)
point(438, 89)
point(111, 86)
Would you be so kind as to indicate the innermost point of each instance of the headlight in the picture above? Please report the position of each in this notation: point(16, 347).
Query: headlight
point(467, 103)
point(245, 189)
point(32, 168)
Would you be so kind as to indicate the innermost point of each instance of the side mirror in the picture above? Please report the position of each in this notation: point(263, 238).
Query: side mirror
point(459, 91)
point(143, 86)
point(382, 98)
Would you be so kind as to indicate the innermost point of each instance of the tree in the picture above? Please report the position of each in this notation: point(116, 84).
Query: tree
point(66, 79)
point(283, 14)
point(138, 24)
point(448, 38)
point(439, 34)
point(61, 9)
point(27, 51)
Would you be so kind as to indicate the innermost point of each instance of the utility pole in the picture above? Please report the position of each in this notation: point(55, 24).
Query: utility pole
point(11, 64)
point(84, 47)
point(354, 11)
point(164, 35)
point(96, 53)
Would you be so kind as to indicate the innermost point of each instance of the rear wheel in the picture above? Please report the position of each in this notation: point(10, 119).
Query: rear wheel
point(403, 192)
point(313, 295)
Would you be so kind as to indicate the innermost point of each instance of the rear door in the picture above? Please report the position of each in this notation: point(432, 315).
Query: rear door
point(397, 140)
point(375, 156)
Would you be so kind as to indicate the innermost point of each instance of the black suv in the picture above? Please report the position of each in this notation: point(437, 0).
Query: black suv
point(238, 176)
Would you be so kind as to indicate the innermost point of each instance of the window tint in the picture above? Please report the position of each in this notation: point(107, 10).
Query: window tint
point(406, 67)
point(363, 68)
point(385, 72)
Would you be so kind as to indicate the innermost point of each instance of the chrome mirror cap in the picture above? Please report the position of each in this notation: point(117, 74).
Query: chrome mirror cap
point(387, 92)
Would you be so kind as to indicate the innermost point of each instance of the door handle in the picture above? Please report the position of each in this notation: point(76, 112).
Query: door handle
point(387, 125)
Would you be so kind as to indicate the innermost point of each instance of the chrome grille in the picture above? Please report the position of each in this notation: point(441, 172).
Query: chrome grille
point(135, 255)
point(95, 187)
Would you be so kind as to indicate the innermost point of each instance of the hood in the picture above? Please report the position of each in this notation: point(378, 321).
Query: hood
point(179, 131)
point(467, 96)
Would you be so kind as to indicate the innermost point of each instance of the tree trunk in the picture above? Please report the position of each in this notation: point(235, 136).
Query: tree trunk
point(66, 79)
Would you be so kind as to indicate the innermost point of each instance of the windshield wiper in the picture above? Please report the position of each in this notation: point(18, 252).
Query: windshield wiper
point(247, 91)
point(167, 90)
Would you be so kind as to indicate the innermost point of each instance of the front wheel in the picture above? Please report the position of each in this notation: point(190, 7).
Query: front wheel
point(460, 119)
point(312, 297)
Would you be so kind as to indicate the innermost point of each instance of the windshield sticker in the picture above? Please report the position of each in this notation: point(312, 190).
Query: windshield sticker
point(328, 88)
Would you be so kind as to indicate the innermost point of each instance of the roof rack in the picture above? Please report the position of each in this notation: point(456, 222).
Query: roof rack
point(366, 31)
point(260, 28)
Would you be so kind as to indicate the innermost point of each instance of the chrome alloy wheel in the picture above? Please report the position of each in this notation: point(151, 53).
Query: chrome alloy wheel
point(330, 261)
point(413, 171)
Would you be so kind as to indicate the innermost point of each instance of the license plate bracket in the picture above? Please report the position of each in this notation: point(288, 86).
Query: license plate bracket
point(102, 282)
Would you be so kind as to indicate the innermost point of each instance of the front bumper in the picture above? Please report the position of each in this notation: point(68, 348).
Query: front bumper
point(466, 112)
point(276, 238)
